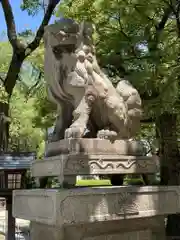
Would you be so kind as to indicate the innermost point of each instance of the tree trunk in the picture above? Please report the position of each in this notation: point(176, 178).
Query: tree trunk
point(170, 159)
point(9, 83)
point(4, 126)
point(169, 152)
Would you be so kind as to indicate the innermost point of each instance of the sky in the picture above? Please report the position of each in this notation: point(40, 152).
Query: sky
point(22, 20)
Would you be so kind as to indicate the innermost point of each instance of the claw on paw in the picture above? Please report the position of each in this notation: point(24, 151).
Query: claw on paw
point(106, 134)
point(74, 132)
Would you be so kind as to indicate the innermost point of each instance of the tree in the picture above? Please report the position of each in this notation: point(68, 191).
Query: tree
point(23, 134)
point(20, 51)
point(144, 48)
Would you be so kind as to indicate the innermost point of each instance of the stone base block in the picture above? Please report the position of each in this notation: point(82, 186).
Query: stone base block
point(81, 164)
point(72, 157)
point(98, 204)
point(45, 232)
point(95, 146)
point(98, 213)
point(148, 229)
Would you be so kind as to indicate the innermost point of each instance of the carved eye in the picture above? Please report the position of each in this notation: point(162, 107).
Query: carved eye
point(57, 50)
point(66, 48)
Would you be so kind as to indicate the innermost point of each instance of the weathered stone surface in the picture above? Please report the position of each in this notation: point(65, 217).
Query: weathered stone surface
point(94, 156)
point(89, 205)
point(96, 146)
point(79, 164)
point(147, 229)
point(145, 235)
point(97, 213)
point(46, 232)
point(82, 91)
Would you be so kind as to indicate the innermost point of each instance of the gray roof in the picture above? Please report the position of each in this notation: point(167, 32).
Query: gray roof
point(16, 161)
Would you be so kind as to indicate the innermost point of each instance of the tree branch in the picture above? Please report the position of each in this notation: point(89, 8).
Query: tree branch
point(10, 23)
point(35, 43)
point(137, 8)
point(176, 11)
point(34, 86)
point(161, 25)
point(118, 18)
point(2, 80)
point(20, 51)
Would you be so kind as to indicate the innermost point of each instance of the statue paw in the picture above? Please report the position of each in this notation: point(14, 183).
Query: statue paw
point(106, 134)
point(74, 132)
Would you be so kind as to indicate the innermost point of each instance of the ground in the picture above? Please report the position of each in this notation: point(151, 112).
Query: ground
point(106, 182)
point(93, 182)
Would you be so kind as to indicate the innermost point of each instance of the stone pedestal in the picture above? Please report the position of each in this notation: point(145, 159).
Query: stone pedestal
point(71, 157)
point(110, 213)
point(96, 213)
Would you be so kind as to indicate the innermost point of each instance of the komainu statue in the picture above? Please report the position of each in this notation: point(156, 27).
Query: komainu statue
point(89, 106)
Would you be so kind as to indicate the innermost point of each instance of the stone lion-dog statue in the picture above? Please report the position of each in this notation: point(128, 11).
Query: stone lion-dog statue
point(88, 103)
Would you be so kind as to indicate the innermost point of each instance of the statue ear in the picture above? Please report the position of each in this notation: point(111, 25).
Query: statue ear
point(81, 28)
point(88, 33)
point(80, 35)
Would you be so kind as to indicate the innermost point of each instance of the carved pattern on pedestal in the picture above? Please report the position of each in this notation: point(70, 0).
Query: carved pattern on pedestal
point(126, 204)
point(114, 164)
point(77, 164)
point(102, 207)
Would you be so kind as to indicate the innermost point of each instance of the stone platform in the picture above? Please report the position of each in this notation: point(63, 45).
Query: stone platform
point(95, 146)
point(97, 213)
point(72, 157)
point(81, 164)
